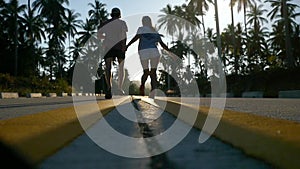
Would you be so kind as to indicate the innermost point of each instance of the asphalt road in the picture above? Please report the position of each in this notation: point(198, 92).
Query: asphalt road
point(288, 109)
point(11, 108)
point(86, 152)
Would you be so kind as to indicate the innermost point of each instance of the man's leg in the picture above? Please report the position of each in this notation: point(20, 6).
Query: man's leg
point(108, 78)
point(121, 74)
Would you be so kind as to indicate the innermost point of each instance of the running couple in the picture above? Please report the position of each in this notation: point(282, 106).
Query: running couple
point(113, 32)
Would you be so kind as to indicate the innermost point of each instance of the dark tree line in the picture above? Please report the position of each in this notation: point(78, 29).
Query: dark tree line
point(45, 37)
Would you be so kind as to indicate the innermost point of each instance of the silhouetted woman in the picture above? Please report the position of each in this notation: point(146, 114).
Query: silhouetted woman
point(148, 39)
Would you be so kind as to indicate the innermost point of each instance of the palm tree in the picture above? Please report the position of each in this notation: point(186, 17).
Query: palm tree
point(233, 34)
point(257, 48)
point(98, 13)
point(243, 4)
point(168, 21)
point(32, 29)
point(56, 29)
point(284, 11)
point(34, 26)
point(257, 37)
point(88, 31)
point(191, 22)
point(200, 7)
point(75, 50)
point(12, 11)
point(72, 23)
point(276, 42)
point(256, 15)
point(218, 29)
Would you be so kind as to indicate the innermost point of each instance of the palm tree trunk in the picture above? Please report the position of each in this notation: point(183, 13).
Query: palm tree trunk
point(233, 39)
point(204, 32)
point(16, 44)
point(288, 48)
point(218, 29)
point(245, 20)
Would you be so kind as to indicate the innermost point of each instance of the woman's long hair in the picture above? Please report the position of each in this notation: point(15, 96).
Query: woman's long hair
point(146, 21)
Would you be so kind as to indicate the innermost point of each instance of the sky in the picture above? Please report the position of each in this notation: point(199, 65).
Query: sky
point(135, 9)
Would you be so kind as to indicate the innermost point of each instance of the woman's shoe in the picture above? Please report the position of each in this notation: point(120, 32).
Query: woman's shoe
point(121, 92)
point(152, 94)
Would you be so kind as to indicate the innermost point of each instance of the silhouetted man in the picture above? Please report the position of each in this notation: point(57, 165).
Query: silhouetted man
point(113, 31)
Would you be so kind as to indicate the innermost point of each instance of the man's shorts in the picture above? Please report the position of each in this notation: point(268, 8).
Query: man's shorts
point(115, 53)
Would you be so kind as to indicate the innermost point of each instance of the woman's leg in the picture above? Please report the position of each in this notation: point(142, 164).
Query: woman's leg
point(145, 65)
point(154, 63)
point(146, 72)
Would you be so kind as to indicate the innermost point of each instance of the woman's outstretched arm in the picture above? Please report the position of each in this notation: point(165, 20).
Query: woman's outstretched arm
point(165, 47)
point(135, 38)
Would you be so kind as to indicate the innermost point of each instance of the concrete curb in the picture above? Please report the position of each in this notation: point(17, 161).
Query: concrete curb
point(272, 140)
point(289, 94)
point(9, 95)
point(34, 95)
point(37, 136)
point(51, 95)
point(253, 94)
point(63, 94)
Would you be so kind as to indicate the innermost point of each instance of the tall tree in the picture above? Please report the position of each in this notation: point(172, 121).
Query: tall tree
point(201, 6)
point(32, 29)
point(168, 21)
point(257, 48)
point(98, 13)
point(243, 4)
point(53, 12)
point(256, 15)
point(12, 12)
point(284, 11)
point(72, 23)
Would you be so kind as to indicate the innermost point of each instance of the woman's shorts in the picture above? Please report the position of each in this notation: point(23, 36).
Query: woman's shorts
point(150, 53)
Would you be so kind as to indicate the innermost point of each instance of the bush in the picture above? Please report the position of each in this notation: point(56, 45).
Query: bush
point(24, 85)
point(270, 82)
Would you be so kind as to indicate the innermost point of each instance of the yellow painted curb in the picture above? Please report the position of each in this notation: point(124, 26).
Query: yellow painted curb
point(38, 136)
point(275, 141)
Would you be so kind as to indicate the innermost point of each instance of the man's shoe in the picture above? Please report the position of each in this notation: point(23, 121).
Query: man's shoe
point(142, 90)
point(108, 95)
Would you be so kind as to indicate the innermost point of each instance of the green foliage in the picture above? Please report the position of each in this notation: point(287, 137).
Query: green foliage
point(134, 89)
point(270, 82)
point(24, 85)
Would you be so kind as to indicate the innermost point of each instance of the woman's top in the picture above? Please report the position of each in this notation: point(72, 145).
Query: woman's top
point(148, 38)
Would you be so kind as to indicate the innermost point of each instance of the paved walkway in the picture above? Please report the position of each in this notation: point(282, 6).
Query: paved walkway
point(188, 154)
point(270, 107)
point(37, 134)
point(11, 108)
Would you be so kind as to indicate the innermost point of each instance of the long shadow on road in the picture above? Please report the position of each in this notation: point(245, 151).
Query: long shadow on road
point(188, 154)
